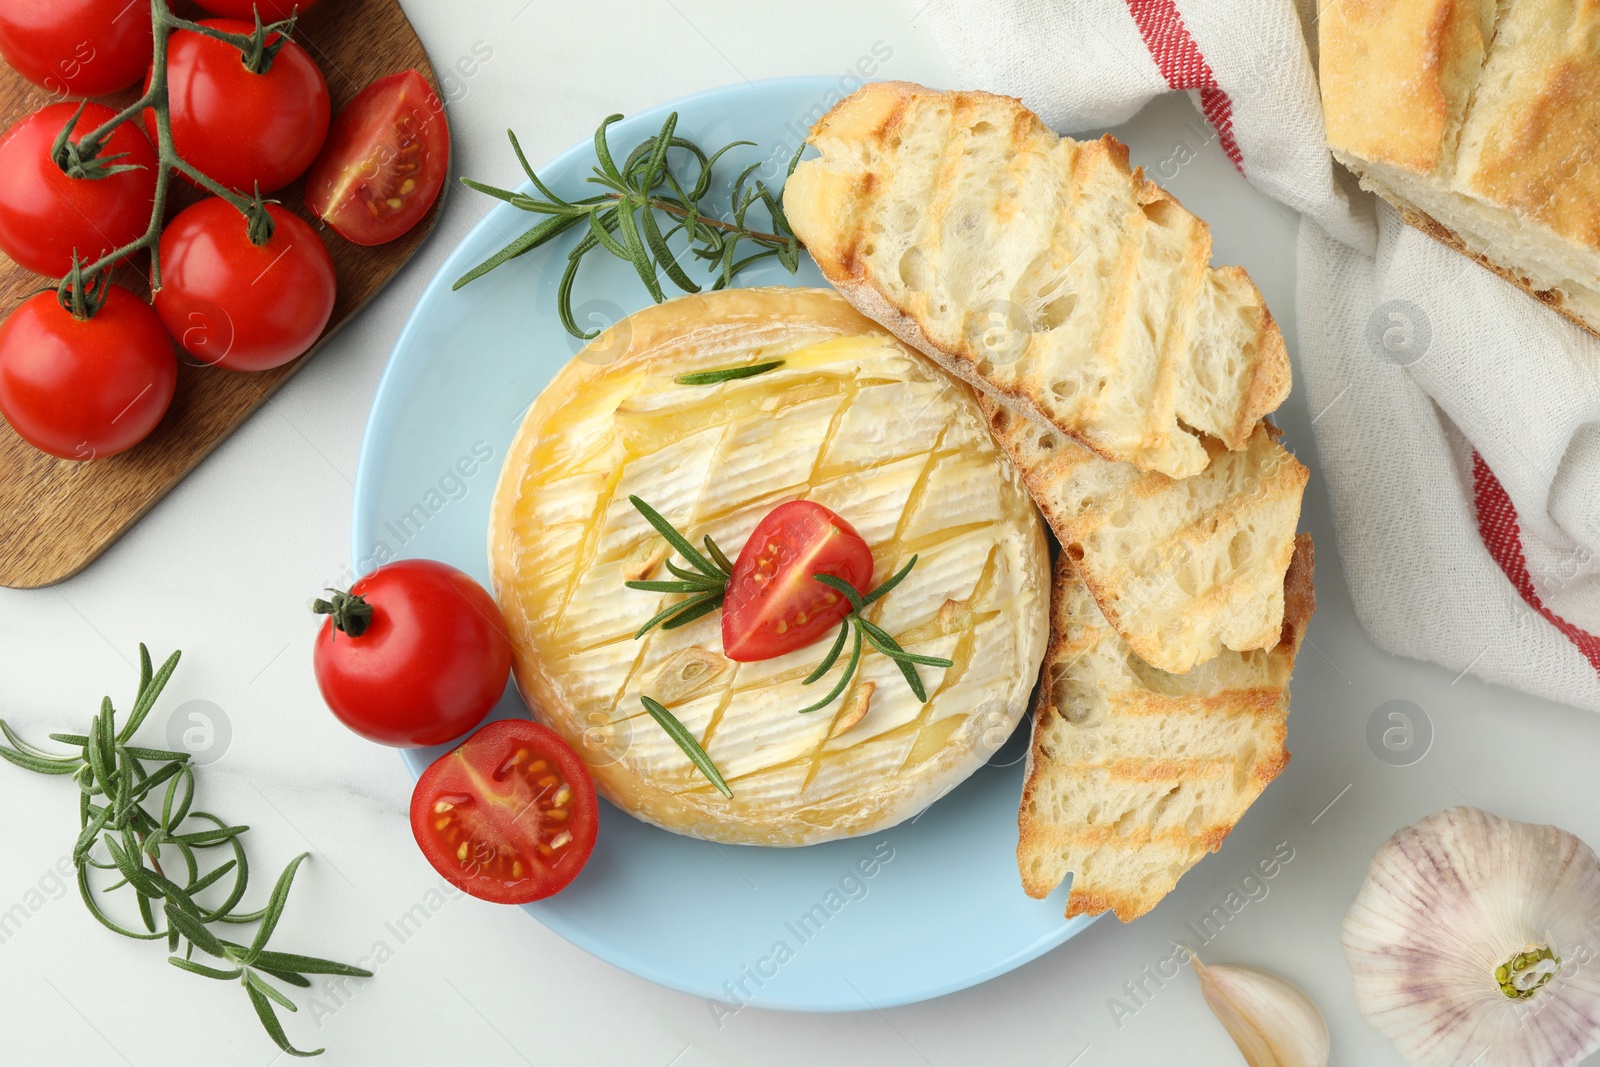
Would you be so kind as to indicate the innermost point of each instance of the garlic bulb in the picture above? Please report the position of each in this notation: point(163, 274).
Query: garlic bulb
point(1272, 1022)
point(1471, 942)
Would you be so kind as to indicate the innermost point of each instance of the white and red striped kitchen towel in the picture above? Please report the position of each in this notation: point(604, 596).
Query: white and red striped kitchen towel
point(1457, 420)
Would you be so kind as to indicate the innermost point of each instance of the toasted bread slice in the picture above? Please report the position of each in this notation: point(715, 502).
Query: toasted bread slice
point(1134, 774)
point(1041, 270)
point(1182, 568)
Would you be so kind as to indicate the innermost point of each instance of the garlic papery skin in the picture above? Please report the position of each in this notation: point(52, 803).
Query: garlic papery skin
point(1474, 941)
point(1272, 1022)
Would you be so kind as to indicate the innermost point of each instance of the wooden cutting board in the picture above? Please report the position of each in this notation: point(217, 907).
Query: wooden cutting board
point(56, 516)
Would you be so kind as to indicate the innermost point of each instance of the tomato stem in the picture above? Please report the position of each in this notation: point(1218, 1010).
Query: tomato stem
point(77, 291)
point(350, 612)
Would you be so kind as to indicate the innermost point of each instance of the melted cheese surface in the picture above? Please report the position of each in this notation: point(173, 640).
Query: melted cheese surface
point(853, 421)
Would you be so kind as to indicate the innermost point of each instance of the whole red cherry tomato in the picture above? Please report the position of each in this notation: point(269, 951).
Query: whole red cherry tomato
point(77, 47)
point(773, 605)
point(510, 816)
point(45, 215)
point(236, 126)
point(236, 304)
point(271, 10)
point(85, 388)
point(414, 654)
point(384, 163)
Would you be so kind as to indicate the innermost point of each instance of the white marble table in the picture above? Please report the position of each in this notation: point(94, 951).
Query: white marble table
point(224, 566)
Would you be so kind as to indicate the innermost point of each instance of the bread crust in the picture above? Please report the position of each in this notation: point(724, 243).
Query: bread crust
point(1153, 408)
point(1554, 299)
point(1127, 810)
point(1480, 122)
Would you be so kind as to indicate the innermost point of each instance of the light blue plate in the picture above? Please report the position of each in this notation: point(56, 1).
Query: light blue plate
point(801, 929)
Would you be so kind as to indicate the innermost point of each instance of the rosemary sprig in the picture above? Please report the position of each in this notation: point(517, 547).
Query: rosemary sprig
point(623, 221)
point(679, 733)
point(706, 583)
point(119, 833)
point(858, 628)
point(727, 374)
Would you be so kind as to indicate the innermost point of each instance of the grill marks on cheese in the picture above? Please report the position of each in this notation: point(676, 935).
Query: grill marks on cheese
point(854, 423)
point(1041, 269)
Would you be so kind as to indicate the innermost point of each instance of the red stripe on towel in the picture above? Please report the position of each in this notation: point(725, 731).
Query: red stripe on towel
point(1502, 534)
point(1180, 62)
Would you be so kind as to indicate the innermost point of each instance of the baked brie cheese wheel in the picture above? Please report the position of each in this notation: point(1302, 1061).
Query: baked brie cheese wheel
point(852, 420)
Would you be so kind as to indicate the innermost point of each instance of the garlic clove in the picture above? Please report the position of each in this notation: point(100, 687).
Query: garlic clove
point(854, 708)
point(1272, 1022)
point(685, 673)
point(1472, 942)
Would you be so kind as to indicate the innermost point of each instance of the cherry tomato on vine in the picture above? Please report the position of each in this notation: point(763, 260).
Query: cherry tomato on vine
point(510, 816)
point(45, 214)
point(233, 303)
point(85, 388)
point(384, 162)
point(773, 606)
point(77, 47)
point(414, 654)
point(236, 126)
point(271, 10)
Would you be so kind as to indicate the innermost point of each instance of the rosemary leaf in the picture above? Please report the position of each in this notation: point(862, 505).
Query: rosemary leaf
point(204, 971)
point(686, 586)
point(674, 538)
point(37, 764)
point(844, 679)
point(899, 576)
point(717, 556)
point(662, 617)
point(275, 905)
point(890, 647)
point(704, 607)
point(718, 582)
point(290, 978)
point(844, 587)
point(543, 233)
point(685, 740)
point(907, 670)
point(147, 694)
point(727, 374)
point(269, 1020)
point(255, 981)
point(832, 657)
point(292, 962)
point(31, 750)
point(199, 885)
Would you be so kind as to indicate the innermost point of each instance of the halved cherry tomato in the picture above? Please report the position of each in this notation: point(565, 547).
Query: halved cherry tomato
point(46, 215)
point(384, 162)
point(415, 654)
point(235, 304)
point(510, 816)
point(236, 126)
point(271, 10)
point(85, 388)
point(76, 47)
point(773, 605)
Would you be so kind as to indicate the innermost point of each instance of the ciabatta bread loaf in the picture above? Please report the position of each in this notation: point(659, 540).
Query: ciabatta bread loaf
point(1040, 269)
point(1479, 120)
point(1133, 774)
point(1181, 568)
